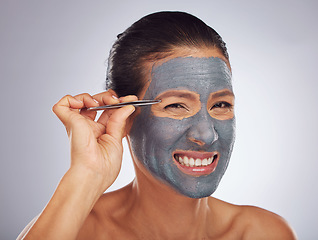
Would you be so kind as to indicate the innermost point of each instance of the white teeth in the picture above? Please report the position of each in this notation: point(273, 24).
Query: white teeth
point(191, 162)
point(204, 162)
point(186, 161)
point(198, 162)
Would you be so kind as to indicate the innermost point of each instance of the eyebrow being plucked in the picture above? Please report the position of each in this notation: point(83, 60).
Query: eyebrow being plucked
point(178, 93)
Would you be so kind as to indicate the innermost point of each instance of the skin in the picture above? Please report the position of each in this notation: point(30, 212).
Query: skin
point(195, 119)
point(148, 208)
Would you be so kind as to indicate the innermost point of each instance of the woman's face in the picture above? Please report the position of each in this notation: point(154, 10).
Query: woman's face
point(186, 140)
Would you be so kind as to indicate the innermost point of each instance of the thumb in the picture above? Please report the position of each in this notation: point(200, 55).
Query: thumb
point(117, 122)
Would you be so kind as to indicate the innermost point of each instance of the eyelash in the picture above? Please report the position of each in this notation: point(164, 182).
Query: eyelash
point(175, 105)
point(222, 105)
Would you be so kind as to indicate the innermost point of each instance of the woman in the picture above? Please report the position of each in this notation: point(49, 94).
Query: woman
point(180, 147)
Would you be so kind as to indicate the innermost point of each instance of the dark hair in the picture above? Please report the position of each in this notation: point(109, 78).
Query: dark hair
point(154, 37)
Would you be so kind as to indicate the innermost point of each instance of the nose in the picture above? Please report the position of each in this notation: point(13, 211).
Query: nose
point(202, 132)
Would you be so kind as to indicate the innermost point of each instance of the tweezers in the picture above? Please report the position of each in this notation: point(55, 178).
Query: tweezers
point(139, 103)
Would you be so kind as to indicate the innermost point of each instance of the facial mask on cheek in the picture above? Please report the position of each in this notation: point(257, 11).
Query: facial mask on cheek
point(154, 140)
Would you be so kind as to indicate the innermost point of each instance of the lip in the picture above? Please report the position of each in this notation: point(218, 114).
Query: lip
point(197, 171)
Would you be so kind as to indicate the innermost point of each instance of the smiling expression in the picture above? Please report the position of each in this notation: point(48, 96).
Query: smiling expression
point(187, 139)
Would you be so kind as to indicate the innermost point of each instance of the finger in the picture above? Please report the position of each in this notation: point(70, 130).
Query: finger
point(128, 98)
point(103, 119)
point(63, 108)
point(117, 122)
point(106, 114)
point(88, 101)
point(106, 98)
point(88, 114)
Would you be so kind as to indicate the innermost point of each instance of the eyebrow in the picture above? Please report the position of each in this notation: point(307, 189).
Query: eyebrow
point(177, 94)
point(222, 93)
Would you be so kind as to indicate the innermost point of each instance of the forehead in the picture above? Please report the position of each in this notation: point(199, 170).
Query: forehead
point(206, 74)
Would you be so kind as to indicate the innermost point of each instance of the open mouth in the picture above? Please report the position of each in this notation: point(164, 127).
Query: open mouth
point(196, 163)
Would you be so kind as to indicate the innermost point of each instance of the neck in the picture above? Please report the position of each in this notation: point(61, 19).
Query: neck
point(166, 212)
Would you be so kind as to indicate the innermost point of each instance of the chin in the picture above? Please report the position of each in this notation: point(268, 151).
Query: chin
point(199, 193)
point(193, 187)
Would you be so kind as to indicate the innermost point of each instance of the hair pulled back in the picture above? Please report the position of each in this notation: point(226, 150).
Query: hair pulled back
point(151, 38)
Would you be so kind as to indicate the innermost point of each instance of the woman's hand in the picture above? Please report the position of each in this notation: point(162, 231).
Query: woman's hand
point(96, 146)
point(96, 155)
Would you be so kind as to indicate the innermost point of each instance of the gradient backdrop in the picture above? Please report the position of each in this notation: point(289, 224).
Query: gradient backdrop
point(53, 48)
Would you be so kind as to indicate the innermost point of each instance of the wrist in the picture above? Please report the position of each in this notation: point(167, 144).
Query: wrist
point(85, 180)
point(73, 200)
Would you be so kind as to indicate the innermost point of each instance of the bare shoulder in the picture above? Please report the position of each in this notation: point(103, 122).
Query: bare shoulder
point(249, 222)
point(263, 224)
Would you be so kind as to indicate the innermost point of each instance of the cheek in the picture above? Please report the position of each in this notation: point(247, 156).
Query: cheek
point(226, 133)
point(153, 137)
point(165, 132)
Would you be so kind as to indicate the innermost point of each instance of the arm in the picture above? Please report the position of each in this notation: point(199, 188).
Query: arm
point(96, 155)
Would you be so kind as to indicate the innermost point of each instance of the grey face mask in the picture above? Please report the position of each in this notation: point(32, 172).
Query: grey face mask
point(158, 141)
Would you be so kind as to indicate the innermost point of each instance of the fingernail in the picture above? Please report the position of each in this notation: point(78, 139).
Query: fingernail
point(114, 97)
point(95, 100)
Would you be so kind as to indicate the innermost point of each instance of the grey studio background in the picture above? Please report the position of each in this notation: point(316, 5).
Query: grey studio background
point(53, 48)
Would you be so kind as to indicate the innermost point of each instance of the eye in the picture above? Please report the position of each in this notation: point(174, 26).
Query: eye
point(176, 106)
point(222, 108)
point(222, 105)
